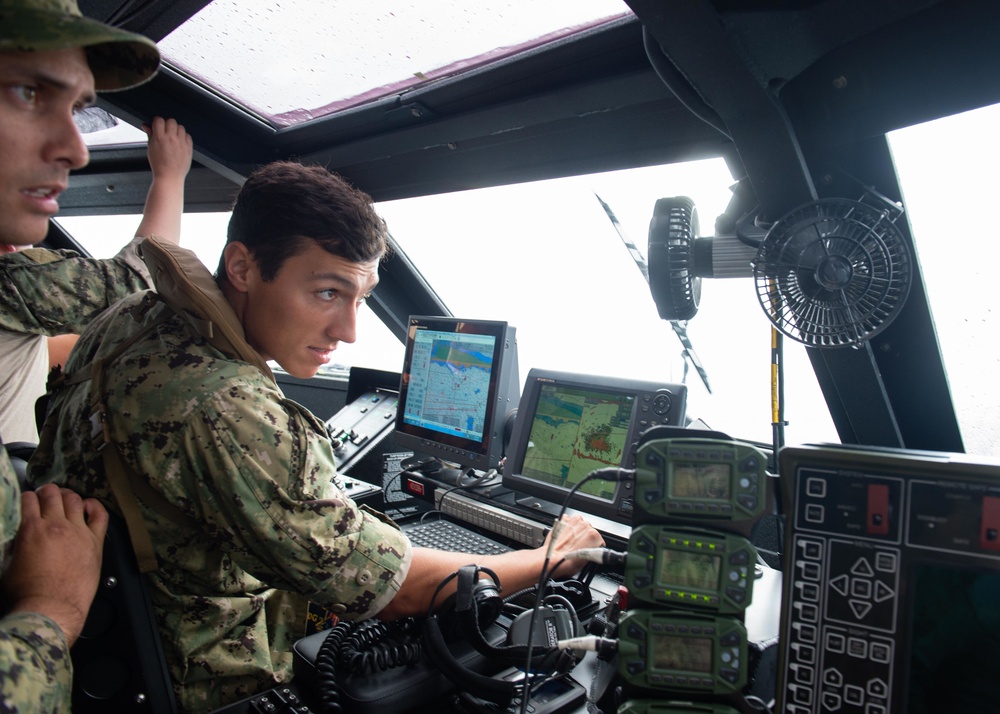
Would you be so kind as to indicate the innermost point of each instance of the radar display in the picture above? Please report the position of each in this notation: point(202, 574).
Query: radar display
point(575, 431)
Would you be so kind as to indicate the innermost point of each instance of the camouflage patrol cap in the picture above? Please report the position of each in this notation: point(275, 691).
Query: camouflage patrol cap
point(118, 59)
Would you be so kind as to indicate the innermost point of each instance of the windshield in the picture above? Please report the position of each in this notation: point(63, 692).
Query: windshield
point(946, 173)
point(545, 257)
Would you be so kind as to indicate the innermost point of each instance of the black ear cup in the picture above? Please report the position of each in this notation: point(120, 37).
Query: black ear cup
point(478, 597)
point(476, 604)
point(555, 619)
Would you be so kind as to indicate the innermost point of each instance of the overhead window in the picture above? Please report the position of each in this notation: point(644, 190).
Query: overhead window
point(315, 62)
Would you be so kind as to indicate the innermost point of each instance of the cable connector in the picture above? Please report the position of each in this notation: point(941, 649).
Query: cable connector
point(601, 556)
point(601, 645)
point(613, 473)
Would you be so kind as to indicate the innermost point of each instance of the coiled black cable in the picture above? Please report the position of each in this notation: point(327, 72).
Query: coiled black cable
point(363, 648)
point(326, 669)
point(375, 646)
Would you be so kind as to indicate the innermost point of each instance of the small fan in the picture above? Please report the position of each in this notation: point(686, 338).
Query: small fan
point(673, 231)
point(833, 272)
point(679, 258)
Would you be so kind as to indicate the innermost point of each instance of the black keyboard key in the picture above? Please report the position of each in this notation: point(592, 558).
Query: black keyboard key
point(445, 535)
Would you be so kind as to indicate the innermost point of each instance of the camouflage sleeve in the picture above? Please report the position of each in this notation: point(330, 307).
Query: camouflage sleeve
point(265, 481)
point(50, 292)
point(10, 506)
point(36, 671)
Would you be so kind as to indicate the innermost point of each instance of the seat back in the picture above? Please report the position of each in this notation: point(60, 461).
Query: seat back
point(118, 662)
point(19, 453)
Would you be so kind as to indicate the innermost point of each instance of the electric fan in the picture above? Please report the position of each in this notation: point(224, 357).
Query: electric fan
point(679, 258)
point(672, 233)
point(833, 272)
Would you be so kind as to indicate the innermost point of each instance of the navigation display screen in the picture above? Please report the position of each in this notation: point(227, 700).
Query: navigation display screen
point(575, 431)
point(458, 388)
point(448, 391)
point(576, 437)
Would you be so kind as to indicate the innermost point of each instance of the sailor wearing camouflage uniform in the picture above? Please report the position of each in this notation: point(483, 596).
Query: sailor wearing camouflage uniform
point(35, 667)
point(255, 474)
point(247, 524)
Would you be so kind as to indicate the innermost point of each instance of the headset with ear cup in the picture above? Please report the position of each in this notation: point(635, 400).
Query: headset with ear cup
point(477, 605)
point(478, 598)
point(464, 617)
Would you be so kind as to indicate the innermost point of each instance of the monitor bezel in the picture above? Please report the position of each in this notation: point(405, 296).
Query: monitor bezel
point(619, 507)
point(502, 396)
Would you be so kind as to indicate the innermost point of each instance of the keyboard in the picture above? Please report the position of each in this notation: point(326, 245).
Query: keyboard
point(445, 535)
point(491, 518)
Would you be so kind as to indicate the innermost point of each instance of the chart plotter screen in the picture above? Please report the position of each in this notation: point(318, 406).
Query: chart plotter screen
point(450, 382)
point(570, 425)
point(574, 431)
point(459, 380)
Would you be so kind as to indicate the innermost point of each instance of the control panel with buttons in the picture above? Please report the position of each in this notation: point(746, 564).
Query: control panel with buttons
point(360, 425)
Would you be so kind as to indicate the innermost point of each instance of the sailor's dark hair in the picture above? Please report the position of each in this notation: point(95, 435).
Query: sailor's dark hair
point(284, 204)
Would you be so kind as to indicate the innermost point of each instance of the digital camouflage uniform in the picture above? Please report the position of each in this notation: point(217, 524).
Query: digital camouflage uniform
point(35, 667)
point(267, 526)
point(50, 292)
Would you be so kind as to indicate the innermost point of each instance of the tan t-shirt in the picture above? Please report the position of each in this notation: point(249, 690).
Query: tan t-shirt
point(25, 360)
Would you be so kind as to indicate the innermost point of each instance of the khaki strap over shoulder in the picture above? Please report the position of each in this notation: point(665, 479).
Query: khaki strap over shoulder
point(122, 480)
point(183, 282)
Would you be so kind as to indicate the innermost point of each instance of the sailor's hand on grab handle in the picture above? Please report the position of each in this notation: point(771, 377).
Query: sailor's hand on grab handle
point(170, 149)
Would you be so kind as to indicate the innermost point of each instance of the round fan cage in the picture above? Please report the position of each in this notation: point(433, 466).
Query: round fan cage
point(833, 273)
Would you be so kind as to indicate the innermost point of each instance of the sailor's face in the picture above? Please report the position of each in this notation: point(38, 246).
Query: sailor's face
point(310, 307)
point(39, 141)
